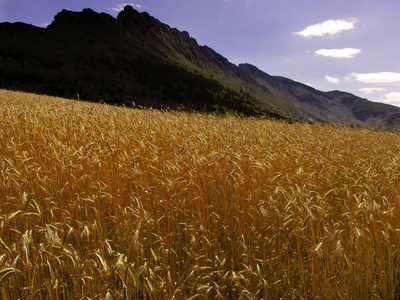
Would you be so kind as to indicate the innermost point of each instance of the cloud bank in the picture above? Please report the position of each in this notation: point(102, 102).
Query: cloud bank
point(330, 27)
point(371, 90)
point(332, 79)
point(392, 98)
point(339, 53)
point(382, 77)
point(119, 7)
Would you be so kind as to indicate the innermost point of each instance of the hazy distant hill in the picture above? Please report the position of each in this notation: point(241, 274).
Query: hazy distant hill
point(136, 58)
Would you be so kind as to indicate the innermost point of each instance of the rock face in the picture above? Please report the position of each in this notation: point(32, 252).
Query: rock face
point(135, 57)
point(66, 17)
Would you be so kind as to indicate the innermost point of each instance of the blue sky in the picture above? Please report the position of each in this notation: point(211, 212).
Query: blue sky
point(348, 45)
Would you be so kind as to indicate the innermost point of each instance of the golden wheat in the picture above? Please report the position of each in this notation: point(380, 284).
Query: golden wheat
point(116, 203)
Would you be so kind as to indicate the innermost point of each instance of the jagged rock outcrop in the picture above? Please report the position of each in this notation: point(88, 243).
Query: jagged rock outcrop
point(66, 17)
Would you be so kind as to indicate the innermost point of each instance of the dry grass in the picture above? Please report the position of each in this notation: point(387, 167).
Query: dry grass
point(203, 207)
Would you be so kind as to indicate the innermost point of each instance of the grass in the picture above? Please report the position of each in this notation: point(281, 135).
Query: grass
point(102, 202)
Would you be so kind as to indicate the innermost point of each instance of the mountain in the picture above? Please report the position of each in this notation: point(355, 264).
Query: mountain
point(136, 59)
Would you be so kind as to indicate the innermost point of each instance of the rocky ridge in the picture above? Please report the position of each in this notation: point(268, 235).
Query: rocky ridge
point(135, 57)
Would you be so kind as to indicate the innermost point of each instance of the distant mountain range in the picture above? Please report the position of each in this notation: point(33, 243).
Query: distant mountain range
point(136, 59)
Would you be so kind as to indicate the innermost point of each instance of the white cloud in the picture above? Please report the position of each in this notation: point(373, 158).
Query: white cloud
point(382, 77)
point(339, 53)
point(329, 27)
point(392, 98)
point(371, 90)
point(119, 7)
point(332, 79)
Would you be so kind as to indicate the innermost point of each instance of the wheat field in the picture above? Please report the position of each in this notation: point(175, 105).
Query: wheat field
point(103, 202)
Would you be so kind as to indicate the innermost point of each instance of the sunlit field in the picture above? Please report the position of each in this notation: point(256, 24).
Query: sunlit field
point(103, 202)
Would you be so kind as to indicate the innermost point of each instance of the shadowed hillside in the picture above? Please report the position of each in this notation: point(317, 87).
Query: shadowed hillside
point(136, 58)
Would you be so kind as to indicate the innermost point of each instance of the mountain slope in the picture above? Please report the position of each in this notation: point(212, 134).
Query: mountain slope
point(136, 58)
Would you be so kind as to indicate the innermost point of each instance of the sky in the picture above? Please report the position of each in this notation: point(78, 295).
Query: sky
point(347, 45)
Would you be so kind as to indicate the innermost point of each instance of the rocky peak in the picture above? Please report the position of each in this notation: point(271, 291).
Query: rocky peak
point(87, 15)
point(131, 18)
